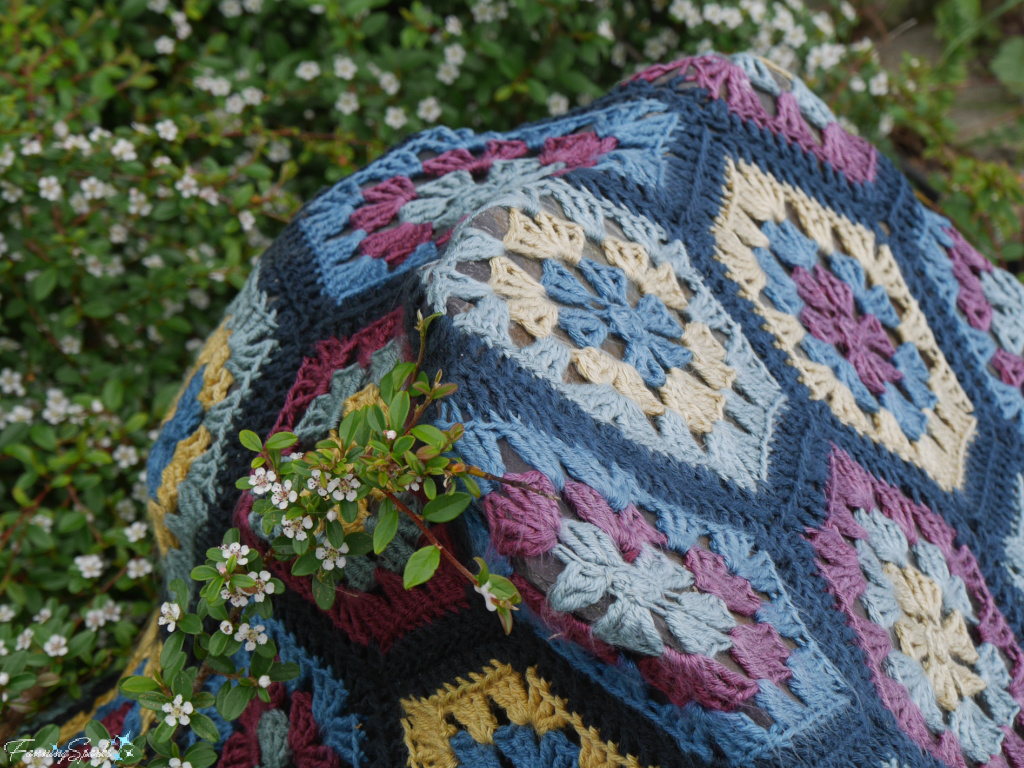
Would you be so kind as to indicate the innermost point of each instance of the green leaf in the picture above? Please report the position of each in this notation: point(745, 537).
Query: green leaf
point(260, 665)
point(421, 566)
point(323, 590)
point(359, 544)
point(335, 533)
point(1008, 64)
point(131, 687)
point(172, 660)
point(44, 436)
point(349, 511)
point(281, 440)
point(204, 727)
point(80, 643)
point(112, 394)
point(250, 440)
point(44, 284)
point(200, 755)
point(430, 435)
point(306, 564)
point(14, 433)
point(279, 673)
point(398, 410)
point(219, 643)
point(387, 525)
point(181, 685)
point(204, 573)
point(202, 700)
point(190, 624)
point(444, 508)
point(232, 700)
point(96, 732)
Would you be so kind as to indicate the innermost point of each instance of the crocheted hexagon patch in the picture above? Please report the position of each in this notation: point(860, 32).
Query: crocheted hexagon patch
point(838, 305)
point(941, 655)
point(598, 302)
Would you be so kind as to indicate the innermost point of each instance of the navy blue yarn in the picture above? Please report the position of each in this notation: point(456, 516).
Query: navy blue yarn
point(185, 421)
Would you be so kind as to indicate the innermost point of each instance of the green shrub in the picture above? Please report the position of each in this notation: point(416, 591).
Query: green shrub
point(149, 151)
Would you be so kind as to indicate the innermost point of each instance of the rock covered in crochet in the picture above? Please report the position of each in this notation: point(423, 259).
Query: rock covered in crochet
point(778, 401)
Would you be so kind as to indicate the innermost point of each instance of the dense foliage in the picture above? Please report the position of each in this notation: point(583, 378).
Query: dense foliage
point(150, 150)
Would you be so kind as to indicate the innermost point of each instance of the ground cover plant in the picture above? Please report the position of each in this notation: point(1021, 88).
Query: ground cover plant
point(150, 150)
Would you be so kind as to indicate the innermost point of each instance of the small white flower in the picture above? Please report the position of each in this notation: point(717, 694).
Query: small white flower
point(344, 488)
point(879, 84)
point(296, 528)
point(126, 456)
point(91, 566)
point(230, 9)
point(161, 160)
point(235, 104)
point(347, 103)
point(178, 711)
point(238, 598)
point(389, 83)
point(187, 185)
point(848, 11)
point(253, 6)
point(604, 29)
point(139, 567)
point(428, 109)
point(209, 195)
point(447, 73)
point(226, 628)
point(31, 147)
point(278, 152)
point(24, 640)
point(307, 70)
point(239, 551)
point(857, 85)
point(170, 613)
point(452, 25)
point(56, 645)
point(318, 481)
point(98, 133)
point(489, 599)
point(344, 67)
point(175, 762)
point(50, 188)
point(3, 652)
point(118, 234)
point(10, 383)
point(38, 758)
point(112, 611)
point(247, 220)
point(136, 532)
point(281, 494)
point(557, 104)
point(263, 586)
point(124, 150)
point(164, 45)
point(167, 130)
point(885, 125)
point(251, 636)
point(43, 615)
point(11, 192)
point(390, 434)
point(157, 6)
point(455, 54)
point(332, 557)
point(264, 681)
point(262, 481)
point(252, 96)
point(6, 613)
point(95, 618)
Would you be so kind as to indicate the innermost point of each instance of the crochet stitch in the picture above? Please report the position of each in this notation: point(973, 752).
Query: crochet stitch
point(776, 403)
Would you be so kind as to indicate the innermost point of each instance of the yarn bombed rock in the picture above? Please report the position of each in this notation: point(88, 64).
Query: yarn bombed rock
point(776, 401)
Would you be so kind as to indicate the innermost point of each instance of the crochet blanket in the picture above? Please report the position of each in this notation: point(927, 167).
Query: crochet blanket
point(779, 403)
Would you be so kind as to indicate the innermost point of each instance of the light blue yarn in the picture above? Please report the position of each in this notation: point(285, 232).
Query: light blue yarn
point(252, 341)
point(979, 737)
point(991, 668)
point(910, 674)
point(912, 420)
point(791, 246)
point(884, 535)
point(739, 455)
point(779, 286)
point(879, 599)
point(1014, 543)
point(825, 354)
point(1006, 295)
point(932, 562)
point(872, 300)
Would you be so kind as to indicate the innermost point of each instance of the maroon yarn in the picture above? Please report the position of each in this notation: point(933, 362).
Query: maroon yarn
point(760, 651)
point(523, 523)
point(384, 201)
point(314, 376)
point(712, 576)
point(830, 316)
point(396, 244)
point(628, 528)
point(1010, 367)
point(578, 150)
point(304, 736)
point(464, 160)
point(685, 677)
